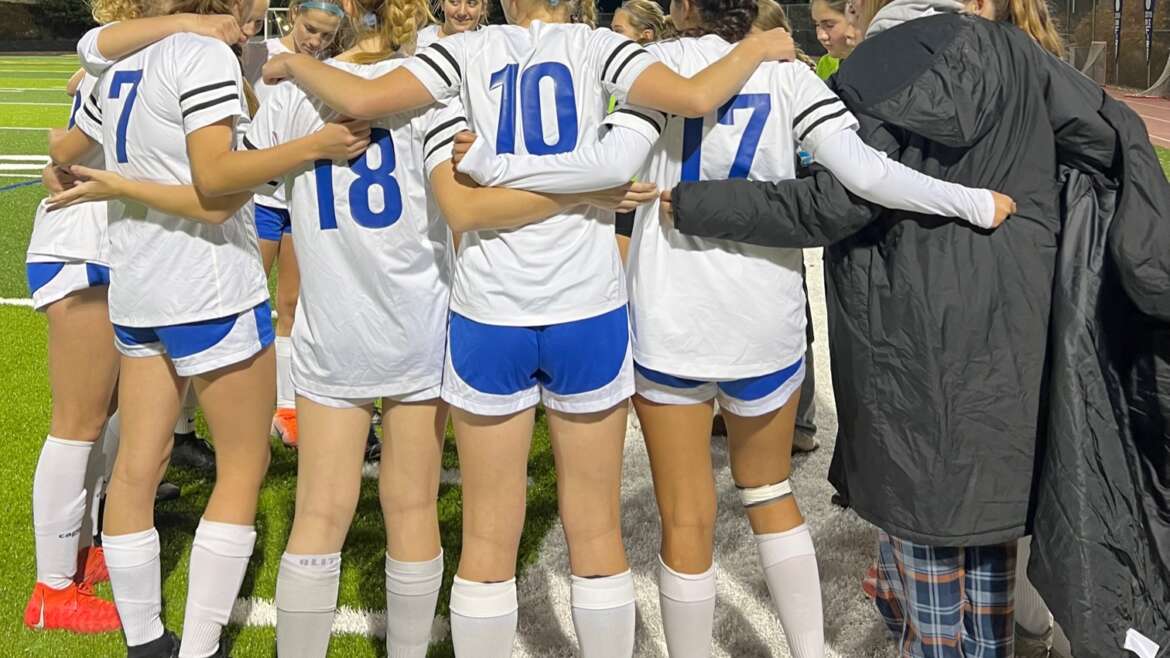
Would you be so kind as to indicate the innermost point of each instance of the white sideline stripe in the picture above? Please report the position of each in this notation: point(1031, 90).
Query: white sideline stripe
point(29, 176)
point(40, 104)
point(43, 159)
point(7, 89)
point(11, 301)
point(45, 130)
point(347, 621)
point(34, 167)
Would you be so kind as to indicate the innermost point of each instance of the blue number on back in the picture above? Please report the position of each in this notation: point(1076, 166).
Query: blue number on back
point(761, 107)
point(121, 79)
point(76, 107)
point(359, 191)
point(563, 96)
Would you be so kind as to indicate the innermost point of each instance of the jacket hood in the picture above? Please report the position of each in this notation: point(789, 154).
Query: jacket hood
point(900, 11)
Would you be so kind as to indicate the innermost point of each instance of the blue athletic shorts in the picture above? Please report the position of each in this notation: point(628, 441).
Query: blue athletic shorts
point(202, 347)
point(753, 396)
point(272, 223)
point(53, 281)
point(583, 366)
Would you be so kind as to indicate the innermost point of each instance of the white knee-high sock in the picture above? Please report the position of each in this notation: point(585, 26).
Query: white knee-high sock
point(306, 598)
point(285, 396)
point(483, 618)
point(219, 558)
point(58, 498)
point(688, 610)
point(412, 590)
point(133, 561)
point(186, 422)
point(95, 467)
point(603, 615)
point(790, 567)
point(1032, 613)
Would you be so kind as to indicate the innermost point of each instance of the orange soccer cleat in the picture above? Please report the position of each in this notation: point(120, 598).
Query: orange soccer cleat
point(284, 425)
point(91, 566)
point(74, 608)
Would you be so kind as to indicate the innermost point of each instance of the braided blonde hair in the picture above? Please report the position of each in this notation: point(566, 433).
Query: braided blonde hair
point(109, 11)
point(396, 22)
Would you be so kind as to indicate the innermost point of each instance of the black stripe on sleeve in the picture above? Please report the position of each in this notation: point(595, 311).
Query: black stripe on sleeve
point(438, 69)
point(249, 145)
point(447, 55)
point(821, 120)
point(613, 55)
point(646, 118)
point(85, 108)
point(618, 74)
point(441, 128)
point(204, 106)
point(812, 108)
point(200, 90)
point(438, 146)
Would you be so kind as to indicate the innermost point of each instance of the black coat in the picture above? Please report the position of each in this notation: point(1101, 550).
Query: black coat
point(940, 332)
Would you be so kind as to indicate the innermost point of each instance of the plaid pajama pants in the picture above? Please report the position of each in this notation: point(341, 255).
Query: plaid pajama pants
point(946, 602)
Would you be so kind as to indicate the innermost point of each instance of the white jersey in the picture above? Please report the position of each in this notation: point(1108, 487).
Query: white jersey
point(77, 232)
point(372, 248)
point(540, 90)
point(427, 36)
point(256, 55)
point(166, 269)
point(717, 309)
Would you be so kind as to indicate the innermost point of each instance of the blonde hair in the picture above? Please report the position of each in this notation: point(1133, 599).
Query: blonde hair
point(395, 22)
point(647, 15)
point(771, 16)
point(108, 11)
point(208, 7)
point(584, 11)
point(1032, 16)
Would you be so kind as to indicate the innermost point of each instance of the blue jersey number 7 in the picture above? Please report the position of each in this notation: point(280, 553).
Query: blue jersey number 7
point(121, 79)
point(761, 107)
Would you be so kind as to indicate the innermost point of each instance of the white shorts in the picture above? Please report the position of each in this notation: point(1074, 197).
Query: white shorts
point(198, 348)
point(753, 396)
point(579, 367)
point(357, 403)
point(52, 281)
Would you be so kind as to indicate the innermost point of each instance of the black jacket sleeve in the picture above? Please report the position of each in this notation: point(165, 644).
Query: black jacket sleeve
point(805, 212)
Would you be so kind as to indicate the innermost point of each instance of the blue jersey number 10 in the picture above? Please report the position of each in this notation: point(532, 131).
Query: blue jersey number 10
point(121, 79)
point(566, 106)
point(761, 107)
point(359, 191)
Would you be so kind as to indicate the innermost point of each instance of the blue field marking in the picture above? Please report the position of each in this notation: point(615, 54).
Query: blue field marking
point(14, 186)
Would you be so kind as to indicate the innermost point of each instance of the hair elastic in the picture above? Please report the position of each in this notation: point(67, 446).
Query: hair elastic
point(327, 7)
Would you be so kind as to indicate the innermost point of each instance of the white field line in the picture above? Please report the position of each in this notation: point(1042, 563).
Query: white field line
point(40, 104)
point(13, 301)
point(347, 621)
point(44, 130)
point(4, 90)
point(29, 176)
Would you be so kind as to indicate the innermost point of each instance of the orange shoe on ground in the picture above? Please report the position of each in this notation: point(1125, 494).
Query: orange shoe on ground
point(74, 608)
point(284, 425)
point(91, 566)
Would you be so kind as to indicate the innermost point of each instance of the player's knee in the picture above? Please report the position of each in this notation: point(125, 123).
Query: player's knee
point(76, 423)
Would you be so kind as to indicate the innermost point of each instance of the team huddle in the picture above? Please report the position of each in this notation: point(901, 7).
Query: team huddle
point(451, 188)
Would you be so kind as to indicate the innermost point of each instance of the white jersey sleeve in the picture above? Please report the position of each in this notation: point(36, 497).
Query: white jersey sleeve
point(440, 66)
point(91, 58)
point(819, 113)
point(266, 128)
point(442, 125)
point(210, 86)
point(88, 116)
point(623, 61)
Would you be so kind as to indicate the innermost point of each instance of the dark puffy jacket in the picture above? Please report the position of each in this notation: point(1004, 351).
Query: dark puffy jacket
point(947, 381)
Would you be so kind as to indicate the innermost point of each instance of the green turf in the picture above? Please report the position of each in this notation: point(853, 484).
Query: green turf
point(24, 418)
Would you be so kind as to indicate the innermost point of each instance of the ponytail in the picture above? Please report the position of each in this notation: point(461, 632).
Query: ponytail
point(584, 11)
point(109, 11)
point(730, 19)
point(396, 22)
point(1032, 16)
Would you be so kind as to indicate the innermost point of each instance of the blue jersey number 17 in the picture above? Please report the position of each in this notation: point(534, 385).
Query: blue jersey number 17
point(760, 106)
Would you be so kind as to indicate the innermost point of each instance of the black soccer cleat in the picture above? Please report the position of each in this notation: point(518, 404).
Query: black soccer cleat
point(192, 452)
point(166, 646)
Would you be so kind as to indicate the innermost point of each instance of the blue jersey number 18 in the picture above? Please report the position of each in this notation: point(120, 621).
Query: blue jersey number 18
point(359, 191)
point(121, 79)
point(761, 107)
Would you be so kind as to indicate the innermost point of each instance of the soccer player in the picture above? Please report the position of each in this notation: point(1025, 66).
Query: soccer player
point(458, 16)
point(539, 312)
point(189, 302)
point(315, 25)
point(718, 320)
point(374, 224)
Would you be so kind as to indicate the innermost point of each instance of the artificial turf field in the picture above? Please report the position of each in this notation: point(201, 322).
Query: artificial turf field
point(32, 98)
